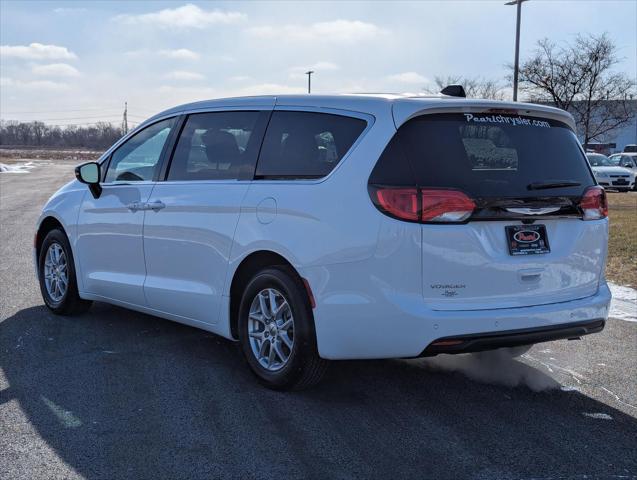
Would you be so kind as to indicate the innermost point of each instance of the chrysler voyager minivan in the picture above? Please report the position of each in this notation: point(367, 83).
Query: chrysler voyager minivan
point(317, 228)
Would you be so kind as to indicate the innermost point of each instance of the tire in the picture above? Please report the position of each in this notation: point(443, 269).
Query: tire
point(272, 335)
point(61, 300)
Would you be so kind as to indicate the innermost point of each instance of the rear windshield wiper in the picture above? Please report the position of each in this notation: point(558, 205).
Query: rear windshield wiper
point(553, 184)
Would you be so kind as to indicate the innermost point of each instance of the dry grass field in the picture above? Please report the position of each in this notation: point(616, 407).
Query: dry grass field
point(622, 247)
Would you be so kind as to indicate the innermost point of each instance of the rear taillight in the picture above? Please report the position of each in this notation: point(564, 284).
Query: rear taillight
point(445, 206)
point(401, 203)
point(593, 204)
point(423, 205)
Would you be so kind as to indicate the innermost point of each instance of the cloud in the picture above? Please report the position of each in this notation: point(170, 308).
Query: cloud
point(37, 51)
point(240, 78)
point(184, 75)
point(268, 89)
point(316, 66)
point(344, 31)
point(39, 85)
point(184, 17)
point(179, 54)
point(407, 77)
point(56, 70)
point(69, 10)
point(173, 54)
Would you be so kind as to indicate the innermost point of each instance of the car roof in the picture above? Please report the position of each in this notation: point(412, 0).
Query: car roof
point(401, 106)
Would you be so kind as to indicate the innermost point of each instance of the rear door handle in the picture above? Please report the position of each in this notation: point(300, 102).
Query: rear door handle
point(155, 206)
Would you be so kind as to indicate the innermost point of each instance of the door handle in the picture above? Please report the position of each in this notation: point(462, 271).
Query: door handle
point(155, 206)
point(134, 206)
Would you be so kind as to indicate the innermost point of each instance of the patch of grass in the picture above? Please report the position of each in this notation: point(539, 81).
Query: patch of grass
point(622, 242)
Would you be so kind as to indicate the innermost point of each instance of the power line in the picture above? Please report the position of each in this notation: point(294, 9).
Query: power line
point(103, 117)
point(61, 110)
point(112, 123)
point(71, 118)
point(22, 112)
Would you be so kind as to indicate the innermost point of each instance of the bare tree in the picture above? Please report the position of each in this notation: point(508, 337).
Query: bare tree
point(474, 87)
point(98, 136)
point(579, 77)
point(38, 129)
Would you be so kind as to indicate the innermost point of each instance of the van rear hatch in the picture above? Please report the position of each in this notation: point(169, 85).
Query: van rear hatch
point(504, 201)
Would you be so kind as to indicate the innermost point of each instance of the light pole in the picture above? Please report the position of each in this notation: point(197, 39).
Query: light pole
point(516, 66)
point(309, 80)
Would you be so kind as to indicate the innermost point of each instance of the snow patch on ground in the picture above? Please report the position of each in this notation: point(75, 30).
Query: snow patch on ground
point(17, 167)
point(624, 303)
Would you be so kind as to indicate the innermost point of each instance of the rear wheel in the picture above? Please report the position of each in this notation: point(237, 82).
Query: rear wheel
point(276, 331)
point(56, 272)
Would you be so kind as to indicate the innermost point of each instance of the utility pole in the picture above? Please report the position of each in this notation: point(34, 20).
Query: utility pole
point(125, 119)
point(309, 80)
point(516, 66)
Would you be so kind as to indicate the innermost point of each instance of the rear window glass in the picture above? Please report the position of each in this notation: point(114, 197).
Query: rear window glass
point(306, 144)
point(492, 155)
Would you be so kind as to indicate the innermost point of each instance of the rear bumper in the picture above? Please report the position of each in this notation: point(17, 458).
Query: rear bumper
point(512, 338)
point(374, 320)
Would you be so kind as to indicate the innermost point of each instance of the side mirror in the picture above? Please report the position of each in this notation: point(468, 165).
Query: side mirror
point(89, 173)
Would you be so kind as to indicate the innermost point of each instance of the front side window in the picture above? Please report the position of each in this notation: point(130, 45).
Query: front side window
point(137, 159)
point(306, 144)
point(214, 146)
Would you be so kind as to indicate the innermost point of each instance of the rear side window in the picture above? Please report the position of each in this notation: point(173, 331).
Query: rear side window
point(215, 146)
point(306, 144)
point(487, 156)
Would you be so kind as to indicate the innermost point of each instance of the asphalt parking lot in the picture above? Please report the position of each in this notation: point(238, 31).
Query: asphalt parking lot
point(116, 394)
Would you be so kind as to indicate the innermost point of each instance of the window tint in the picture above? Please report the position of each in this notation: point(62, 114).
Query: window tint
point(392, 168)
point(489, 148)
point(493, 155)
point(214, 146)
point(138, 158)
point(306, 144)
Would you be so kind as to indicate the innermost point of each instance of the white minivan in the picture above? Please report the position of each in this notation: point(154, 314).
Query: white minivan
point(316, 228)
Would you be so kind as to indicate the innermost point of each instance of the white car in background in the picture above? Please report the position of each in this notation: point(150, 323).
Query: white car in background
point(609, 175)
point(627, 160)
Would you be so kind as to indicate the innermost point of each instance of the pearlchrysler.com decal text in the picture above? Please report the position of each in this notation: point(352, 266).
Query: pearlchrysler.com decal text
point(516, 121)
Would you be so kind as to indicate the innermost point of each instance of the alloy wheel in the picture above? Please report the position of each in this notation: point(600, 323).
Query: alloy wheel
point(56, 277)
point(271, 329)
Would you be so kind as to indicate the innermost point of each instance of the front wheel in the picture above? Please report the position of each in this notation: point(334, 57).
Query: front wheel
point(56, 272)
point(276, 331)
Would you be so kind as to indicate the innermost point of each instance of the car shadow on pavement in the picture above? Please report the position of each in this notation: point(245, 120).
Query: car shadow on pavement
point(118, 394)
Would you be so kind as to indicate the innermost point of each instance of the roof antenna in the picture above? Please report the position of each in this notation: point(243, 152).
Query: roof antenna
point(454, 91)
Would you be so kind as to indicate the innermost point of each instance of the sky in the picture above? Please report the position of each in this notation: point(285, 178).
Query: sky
point(78, 62)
